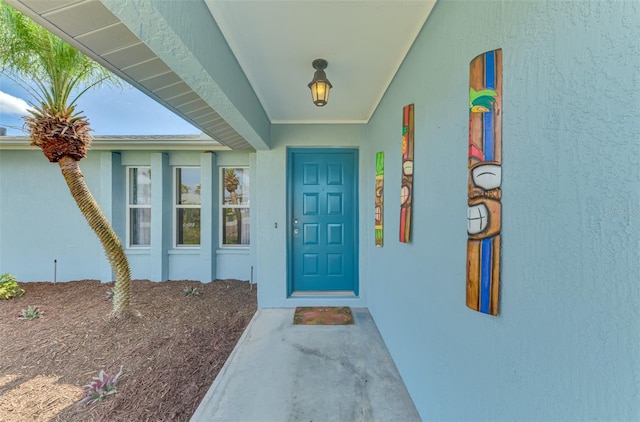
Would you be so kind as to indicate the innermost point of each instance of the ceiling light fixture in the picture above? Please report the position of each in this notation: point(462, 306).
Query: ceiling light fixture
point(320, 85)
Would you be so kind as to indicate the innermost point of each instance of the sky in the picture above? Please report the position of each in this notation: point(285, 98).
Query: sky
point(110, 110)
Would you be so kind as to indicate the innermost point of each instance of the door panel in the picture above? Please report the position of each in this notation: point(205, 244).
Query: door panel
point(323, 243)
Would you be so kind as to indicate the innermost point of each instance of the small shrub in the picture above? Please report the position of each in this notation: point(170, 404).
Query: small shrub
point(9, 287)
point(110, 294)
point(32, 312)
point(191, 291)
point(100, 388)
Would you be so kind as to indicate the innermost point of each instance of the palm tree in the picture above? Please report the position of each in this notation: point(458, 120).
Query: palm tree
point(52, 71)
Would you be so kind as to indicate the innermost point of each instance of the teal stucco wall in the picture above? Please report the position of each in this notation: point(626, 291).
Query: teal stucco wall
point(272, 221)
point(40, 222)
point(566, 343)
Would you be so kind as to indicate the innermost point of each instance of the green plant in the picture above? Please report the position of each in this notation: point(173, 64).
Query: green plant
point(110, 294)
point(9, 287)
point(32, 312)
point(100, 387)
point(191, 291)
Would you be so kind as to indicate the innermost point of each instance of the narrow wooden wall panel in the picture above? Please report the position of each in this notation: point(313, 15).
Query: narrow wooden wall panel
point(406, 190)
point(484, 215)
point(379, 199)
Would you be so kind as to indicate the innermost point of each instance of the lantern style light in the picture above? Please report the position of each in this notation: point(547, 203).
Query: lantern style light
point(320, 85)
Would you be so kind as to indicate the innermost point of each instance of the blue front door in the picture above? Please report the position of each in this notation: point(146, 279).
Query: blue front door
point(323, 227)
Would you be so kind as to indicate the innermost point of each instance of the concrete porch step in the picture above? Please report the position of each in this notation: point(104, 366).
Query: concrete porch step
point(284, 372)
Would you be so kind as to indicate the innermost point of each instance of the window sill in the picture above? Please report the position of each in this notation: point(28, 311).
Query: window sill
point(233, 251)
point(138, 251)
point(184, 251)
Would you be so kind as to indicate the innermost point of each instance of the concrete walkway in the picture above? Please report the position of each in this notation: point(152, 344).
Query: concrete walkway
point(284, 372)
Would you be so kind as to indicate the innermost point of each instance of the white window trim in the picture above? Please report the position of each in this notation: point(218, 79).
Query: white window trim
point(222, 206)
point(176, 206)
point(131, 206)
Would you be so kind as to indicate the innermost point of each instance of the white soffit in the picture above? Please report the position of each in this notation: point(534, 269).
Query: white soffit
point(364, 42)
point(274, 42)
point(92, 28)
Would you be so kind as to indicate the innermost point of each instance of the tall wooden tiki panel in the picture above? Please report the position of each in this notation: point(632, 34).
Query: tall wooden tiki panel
point(485, 179)
point(406, 192)
point(379, 199)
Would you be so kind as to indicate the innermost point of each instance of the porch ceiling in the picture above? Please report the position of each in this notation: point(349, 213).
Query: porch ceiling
point(274, 43)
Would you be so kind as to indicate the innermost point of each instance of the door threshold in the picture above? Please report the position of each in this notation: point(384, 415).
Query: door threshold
point(323, 293)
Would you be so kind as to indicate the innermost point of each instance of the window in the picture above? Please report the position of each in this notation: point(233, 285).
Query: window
point(235, 206)
point(139, 206)
point(187, 206)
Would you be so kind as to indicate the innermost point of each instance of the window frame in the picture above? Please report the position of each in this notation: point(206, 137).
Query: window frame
point(222, 206)
point(130, 206)
point(177, 206)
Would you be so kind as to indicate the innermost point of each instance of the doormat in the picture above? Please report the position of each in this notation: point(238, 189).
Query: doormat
point(323, 315)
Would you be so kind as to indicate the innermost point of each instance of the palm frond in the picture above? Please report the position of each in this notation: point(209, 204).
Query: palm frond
point(55, 73)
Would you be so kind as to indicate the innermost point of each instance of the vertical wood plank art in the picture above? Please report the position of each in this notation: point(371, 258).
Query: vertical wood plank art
point(406, 192)
point(485, 179)
point(379, 198)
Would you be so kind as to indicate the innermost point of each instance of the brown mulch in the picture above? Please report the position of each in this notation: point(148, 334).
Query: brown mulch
point(170, 349)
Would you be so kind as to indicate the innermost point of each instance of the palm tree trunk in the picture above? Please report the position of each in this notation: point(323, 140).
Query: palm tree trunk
point(101, 226)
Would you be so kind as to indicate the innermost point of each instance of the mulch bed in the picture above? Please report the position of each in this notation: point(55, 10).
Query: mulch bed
point(170, 349)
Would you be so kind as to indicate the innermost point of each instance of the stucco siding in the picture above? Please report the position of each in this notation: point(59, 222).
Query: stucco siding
point(565, 344)
point(272, 220)
point(40, 222)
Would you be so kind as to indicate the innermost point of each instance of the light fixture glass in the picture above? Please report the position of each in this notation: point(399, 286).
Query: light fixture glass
point(320, 85)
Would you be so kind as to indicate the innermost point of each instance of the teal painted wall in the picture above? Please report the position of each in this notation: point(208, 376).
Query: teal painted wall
point(163, 261)
point(270, 208)
point(567, 341)
point(112, 177)
point(236, 262)
point(40, 222)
